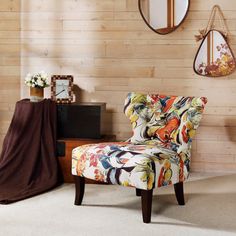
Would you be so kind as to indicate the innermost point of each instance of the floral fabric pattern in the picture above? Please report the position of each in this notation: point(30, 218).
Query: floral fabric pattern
point(168, 121)
point(129, 164)
point(158, 153)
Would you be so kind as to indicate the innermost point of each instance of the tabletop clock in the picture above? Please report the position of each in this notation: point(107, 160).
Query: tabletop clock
point(61, 88)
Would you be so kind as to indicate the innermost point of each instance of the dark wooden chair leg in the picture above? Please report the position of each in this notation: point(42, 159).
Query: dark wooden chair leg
point(79, 189)
point(179, 193)
point(146, 196)
point(138, 192)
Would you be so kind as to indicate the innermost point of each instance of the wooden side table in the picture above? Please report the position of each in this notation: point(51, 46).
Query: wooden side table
point(68, 145)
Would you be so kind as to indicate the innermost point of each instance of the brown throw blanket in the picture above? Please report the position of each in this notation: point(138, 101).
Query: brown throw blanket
point(28, 163)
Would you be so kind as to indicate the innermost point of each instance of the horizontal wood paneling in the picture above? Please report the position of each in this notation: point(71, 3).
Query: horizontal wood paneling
point(110, 51)
point(9, 62)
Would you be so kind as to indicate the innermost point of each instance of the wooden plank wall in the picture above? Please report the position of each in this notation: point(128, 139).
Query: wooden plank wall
point(108, 48)
point(9, 62)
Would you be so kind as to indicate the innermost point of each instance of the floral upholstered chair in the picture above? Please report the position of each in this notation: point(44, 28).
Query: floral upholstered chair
point(158, 153)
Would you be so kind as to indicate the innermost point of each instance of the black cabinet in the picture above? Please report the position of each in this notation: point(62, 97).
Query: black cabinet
point(80, 120)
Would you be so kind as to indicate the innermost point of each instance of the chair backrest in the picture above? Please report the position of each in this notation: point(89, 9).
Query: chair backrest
point(169, 121)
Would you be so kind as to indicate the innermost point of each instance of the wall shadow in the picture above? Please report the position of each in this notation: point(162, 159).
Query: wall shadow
point(230, 126)
point(77, 92)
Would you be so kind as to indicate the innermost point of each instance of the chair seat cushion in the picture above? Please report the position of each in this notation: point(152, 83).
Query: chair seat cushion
point(143, 166)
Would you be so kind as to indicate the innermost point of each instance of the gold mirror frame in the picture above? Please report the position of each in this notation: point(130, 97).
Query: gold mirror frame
point(170, 13)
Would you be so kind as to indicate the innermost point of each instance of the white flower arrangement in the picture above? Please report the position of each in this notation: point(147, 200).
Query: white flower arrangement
point(37, 80)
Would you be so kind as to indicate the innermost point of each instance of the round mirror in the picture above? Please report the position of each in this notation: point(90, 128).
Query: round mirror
point(163, 16)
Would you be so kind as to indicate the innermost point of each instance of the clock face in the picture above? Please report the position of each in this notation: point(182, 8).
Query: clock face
point(62, 89)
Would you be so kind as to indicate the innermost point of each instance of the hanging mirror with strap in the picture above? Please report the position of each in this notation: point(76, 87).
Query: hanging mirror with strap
point(214, 57)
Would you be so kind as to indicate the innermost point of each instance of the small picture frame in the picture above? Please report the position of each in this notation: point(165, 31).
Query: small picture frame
point(61, 88)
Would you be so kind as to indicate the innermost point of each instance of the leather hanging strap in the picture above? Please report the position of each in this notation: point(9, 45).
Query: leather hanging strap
point(211, 25)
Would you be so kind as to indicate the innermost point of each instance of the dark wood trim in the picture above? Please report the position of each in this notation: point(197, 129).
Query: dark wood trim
point(173, 13)
point(146, 198)
point(166, 30)
point(179, 193)
point(138, 192)
point(79, 189)
point(157, 31)
point(209, 49)
point(170, 14)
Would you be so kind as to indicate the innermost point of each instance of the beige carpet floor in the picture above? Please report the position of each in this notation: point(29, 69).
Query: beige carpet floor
point(113, 210)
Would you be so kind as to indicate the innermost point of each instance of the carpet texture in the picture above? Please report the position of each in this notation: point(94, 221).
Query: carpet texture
point(113, 210)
